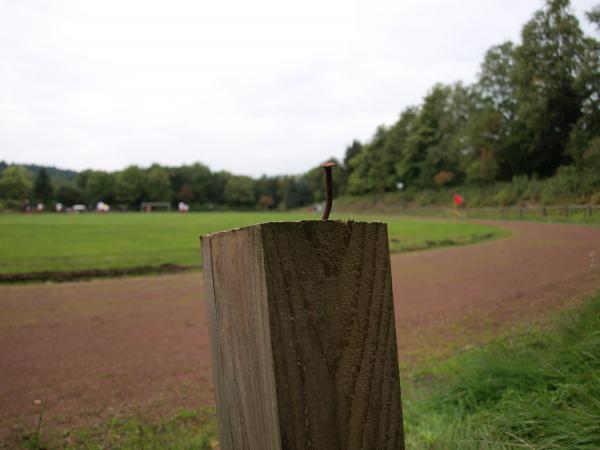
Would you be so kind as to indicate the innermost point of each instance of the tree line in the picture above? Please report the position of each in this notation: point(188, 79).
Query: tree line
point(533, 113)
point(193, 184)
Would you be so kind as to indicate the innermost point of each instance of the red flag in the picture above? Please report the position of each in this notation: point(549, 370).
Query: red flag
point(458, 200)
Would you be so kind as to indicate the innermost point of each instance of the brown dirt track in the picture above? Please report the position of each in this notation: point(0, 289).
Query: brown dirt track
point(141, 344)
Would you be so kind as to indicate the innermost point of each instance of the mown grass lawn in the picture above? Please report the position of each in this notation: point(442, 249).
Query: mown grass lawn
point(66, 242)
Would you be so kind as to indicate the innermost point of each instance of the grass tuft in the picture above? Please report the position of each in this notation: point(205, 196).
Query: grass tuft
point(540, 391)
point(186, 431)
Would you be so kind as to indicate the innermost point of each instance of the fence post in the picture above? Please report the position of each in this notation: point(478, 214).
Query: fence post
point(302, 326)
point(589, 210)
point(544, 212)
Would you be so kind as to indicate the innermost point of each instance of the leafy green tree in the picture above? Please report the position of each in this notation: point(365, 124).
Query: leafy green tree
point(295, 192)
point(70, 195)
point(216, 187)
point(494, 132)
point(42, 187)
point(425, 135)
point(340, 178)
point(432, 148)
point(267, 187)
point(81, 179)
point(547, 67)
point(587, 129)
point(351, 151)
point(394, 148)
point(157, 185)
point(15, 184)
point(239, 191)
point(484, 137)
point(495, 83)
point(373, 168)
point(594, 16)
point(358, 170)
point(381, 174)
point(196, 178)
point(100, 186)
point(129, 188)
point(184, 194)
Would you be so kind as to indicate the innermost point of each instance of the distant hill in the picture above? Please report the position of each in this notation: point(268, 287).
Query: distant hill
point(56, 174)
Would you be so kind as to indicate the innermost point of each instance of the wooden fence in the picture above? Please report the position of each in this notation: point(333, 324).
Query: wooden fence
point(527, 212)
point(524, 212)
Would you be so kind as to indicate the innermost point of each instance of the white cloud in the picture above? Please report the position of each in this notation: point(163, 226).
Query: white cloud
point(251, 87)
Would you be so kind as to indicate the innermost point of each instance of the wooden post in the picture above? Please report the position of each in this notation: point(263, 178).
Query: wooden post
point(302, 325)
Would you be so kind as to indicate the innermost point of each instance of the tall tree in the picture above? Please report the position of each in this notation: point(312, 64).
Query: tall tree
point(158, 186)
point(351, 151)
point(42, 187)
point(294, 191)
point(495, 82)
point(70, 195)
point(381, 173)
point(239, 191)
point(15, 185)
point(197, 178)
point(99, 186)
point(216, 187)
point(267, 192)
point(427, 152)
point(547, 66)
point(495, 133)
point(594, 16)
point(129, 187)
point(584, 142)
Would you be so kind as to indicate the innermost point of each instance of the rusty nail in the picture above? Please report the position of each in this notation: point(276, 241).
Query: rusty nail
point(328, 166)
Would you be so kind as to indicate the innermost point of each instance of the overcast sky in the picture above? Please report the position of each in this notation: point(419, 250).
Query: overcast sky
point(259, 86)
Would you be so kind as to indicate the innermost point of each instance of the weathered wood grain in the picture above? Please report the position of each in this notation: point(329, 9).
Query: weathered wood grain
point(303, 331)
point(241, 345)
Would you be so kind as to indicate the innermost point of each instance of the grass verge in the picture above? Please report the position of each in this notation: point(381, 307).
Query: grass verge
point(188, 430)
point(540, 390)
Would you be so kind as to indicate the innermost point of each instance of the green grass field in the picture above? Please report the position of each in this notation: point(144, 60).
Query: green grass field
point(70, 242)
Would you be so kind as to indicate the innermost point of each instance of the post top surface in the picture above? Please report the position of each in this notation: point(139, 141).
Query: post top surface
point(326, 224)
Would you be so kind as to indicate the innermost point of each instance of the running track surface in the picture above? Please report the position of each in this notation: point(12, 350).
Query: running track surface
point(140, 345)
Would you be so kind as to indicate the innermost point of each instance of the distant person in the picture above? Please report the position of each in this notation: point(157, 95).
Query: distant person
point(102, 207)
point(458, 200)
point(183, 207)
